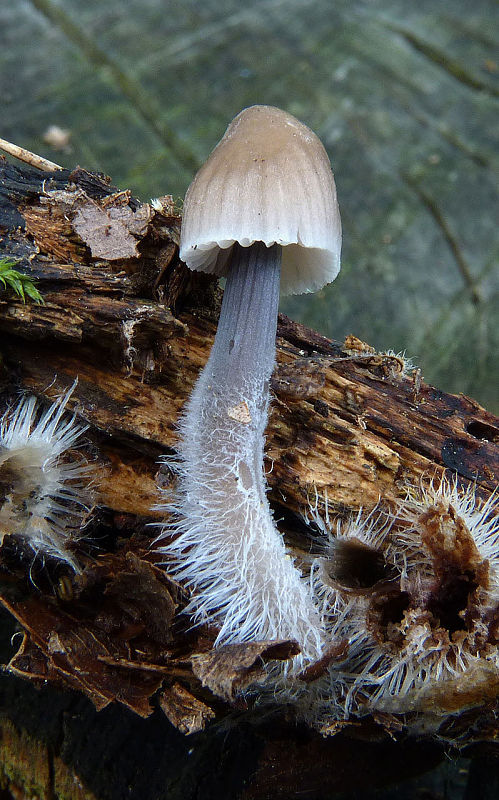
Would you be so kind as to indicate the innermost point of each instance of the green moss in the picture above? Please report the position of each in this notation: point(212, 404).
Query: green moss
point(21, 285)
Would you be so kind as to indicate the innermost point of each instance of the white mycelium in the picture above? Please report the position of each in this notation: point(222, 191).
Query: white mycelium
point(45, 496)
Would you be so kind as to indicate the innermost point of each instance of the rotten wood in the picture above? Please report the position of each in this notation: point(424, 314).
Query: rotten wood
point(347, 428)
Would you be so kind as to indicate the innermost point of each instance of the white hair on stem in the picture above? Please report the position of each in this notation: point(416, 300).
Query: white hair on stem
point(46, 484)
point(223, 541)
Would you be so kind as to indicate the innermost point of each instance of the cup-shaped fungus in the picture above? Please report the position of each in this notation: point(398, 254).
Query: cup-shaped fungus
point(264, 203)
point(421, 626)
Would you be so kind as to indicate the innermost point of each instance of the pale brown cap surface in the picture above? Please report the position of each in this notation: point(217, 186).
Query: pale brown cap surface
point(269, 180)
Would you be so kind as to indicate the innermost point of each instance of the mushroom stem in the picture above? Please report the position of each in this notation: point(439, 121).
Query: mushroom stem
point(243, 353)
point(229, 550)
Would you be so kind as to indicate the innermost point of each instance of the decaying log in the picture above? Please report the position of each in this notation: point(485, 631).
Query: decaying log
point(348, 427)
point(345, 420)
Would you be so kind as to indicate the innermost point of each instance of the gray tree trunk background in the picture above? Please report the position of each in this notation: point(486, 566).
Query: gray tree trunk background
point(403, 94)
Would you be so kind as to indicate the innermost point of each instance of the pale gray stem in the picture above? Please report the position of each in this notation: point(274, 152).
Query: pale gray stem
point(244, 344)
point(227, 548)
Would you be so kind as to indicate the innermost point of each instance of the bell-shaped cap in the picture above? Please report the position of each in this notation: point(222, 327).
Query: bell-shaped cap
point(269, 180)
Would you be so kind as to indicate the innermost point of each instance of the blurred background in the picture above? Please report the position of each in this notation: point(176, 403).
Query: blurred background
point(403, 94)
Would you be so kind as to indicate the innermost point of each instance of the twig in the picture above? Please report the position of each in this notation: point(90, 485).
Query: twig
point(28, 157)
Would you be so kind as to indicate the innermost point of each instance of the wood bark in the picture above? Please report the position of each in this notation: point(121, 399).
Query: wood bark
point(348, 427)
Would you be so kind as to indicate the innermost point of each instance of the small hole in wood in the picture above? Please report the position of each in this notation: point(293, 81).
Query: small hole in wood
point(480, 430)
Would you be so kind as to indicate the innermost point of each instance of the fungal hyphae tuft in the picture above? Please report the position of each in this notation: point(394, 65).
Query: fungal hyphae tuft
point(44, 482)
point(414, 593)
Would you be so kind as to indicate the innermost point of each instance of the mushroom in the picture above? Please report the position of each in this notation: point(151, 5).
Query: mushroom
point(263, 203)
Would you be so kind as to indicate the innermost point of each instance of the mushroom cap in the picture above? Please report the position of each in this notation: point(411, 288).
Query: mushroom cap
point(269, 180)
